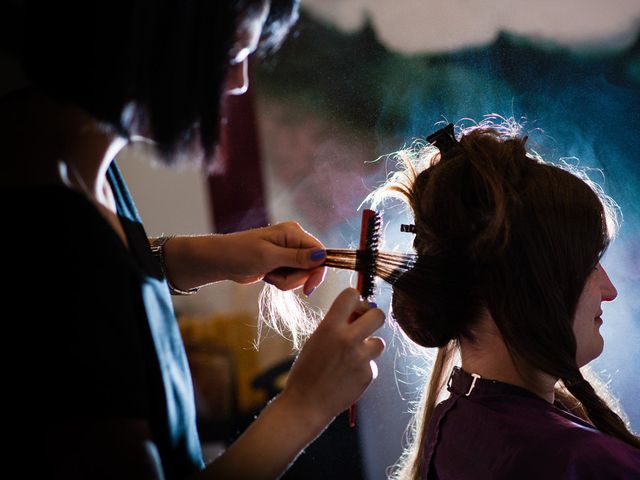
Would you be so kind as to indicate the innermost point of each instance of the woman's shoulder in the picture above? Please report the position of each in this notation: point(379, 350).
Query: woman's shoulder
point(568, 443)
point(571, 454)
point(529, 437)
point(574, 452)
point(530, 418)
point(596, 455)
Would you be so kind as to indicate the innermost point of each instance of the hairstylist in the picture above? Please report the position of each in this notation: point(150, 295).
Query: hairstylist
point(100, 386)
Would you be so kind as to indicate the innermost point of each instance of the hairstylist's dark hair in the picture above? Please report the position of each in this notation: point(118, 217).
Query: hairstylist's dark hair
point(159, 65)
point(500, 229)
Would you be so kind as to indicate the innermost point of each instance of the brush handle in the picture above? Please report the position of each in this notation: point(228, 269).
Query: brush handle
point(367, 216)
point(353, 408)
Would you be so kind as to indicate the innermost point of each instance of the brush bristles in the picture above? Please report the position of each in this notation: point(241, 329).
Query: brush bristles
point(366, 259)
point(386, 265)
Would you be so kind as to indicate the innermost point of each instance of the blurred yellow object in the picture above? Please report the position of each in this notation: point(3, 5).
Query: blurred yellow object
point(224, 362)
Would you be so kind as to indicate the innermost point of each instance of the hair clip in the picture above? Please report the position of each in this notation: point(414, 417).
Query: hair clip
point(408, 228)
point(444, 139)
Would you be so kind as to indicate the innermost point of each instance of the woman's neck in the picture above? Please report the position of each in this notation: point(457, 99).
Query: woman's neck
point(488, 356)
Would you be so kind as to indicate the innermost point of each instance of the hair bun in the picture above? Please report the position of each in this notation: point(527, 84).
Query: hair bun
point(410, 315)
point(432, 300)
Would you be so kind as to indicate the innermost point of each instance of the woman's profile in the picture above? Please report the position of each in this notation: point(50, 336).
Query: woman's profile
point(508, 280)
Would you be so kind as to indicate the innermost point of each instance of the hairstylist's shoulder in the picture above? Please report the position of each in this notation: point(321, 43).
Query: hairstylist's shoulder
point(56, 234)
point(38, 220)
point(80, 348)
point(70, 294)
point(89, 276)
point(66, 219)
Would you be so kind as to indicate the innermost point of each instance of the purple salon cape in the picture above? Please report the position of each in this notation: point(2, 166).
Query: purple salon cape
point(500, 431)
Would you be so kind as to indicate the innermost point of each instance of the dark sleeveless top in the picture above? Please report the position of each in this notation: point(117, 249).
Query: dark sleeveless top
point(95, 324)
point(502, 432)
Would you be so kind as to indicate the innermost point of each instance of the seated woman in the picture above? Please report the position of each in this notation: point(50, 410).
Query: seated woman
point(508, 276)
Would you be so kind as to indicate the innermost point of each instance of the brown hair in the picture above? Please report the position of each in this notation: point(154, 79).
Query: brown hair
point(502, 230)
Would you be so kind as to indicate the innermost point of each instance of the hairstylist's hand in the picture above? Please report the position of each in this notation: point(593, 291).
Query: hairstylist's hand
point(332, 371)
point(336, 365)
point(284, 255)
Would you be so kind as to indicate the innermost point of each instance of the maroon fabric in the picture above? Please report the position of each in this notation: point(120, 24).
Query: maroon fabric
point(236, 189)
point(501, 431)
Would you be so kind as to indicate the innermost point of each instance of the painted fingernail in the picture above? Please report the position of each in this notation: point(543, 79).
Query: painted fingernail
point(308, 294)
point(373, 305)
point(266, 280)
point(318, 255)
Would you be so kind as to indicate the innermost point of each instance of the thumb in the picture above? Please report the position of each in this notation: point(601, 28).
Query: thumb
point(304, 258)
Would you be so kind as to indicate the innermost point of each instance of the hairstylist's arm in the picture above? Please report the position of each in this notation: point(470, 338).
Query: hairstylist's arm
point(247, 257)
point(332, 372)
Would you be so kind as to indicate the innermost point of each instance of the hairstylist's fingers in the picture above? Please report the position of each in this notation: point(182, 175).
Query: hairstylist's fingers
point(374, 369)
point(373, 347)
point(363, 307)
point(295, 235)
point(303, 258)
point(294, 247)
point(367, 323)
point(368, 375)
point(316, 277)
point(287, 278)
point(343, 306)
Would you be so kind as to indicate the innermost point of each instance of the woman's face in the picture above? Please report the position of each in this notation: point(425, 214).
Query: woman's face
point(247, 38)
point(588, 318)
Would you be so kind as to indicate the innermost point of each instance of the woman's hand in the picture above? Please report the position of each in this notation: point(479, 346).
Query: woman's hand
point(336, 365)
point(284, 255)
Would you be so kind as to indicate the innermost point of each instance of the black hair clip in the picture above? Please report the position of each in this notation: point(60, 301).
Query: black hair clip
point(444, 140)
point(408, 228)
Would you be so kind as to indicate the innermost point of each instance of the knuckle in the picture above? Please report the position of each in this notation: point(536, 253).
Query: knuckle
point(327, 330)
point(300, 256)
point(264, 259)
point(375, 320)
point(262, 256)
point(336, 335)
point(291, 225)
point(347, 341)
point(351, 292)
point(364, 358)
point(379, 346)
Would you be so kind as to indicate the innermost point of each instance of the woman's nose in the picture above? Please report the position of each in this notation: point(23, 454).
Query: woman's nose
point(237, 78)
point(609, 291)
